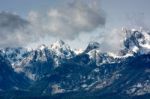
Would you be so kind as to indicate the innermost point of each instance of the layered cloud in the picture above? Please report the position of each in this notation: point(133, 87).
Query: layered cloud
point(10, 27)
point(69, 20)
point(62, 22)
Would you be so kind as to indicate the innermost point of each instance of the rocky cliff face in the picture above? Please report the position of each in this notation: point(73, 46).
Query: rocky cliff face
point(57, 69)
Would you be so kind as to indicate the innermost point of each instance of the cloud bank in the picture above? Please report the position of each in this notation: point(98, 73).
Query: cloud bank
point(69, 20)
point(64, 22)
point(10, 27)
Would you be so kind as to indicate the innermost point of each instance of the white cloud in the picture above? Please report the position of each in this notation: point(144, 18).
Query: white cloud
point(67, 21)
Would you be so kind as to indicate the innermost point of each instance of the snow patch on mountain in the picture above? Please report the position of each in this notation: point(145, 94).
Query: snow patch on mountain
point(78, 51)
point(61, 49)
point(91, 46)
point(137, 41)
point(42, 47)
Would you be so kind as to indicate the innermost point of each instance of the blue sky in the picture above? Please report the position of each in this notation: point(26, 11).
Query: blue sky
point(119, 11)
point(54, 13)
point(23, 7)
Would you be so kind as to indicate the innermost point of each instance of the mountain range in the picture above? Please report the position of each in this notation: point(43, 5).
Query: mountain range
point(57, 71)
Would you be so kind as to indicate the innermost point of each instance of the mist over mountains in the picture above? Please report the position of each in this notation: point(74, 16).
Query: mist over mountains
point(74, 49)
point(67, 22)
point(59, 71)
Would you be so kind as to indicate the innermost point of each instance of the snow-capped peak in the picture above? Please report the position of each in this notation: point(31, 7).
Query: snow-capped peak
point(92, 45)
point(58, 44)
point(42, 47)
point(61, 49)
point(78, 51)
point(137, 41)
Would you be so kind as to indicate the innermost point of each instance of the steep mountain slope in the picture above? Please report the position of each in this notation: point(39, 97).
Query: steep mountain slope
point(59, 70)
point(10, 80)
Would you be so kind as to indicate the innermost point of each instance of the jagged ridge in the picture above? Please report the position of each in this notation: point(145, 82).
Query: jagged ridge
point(58, 69)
